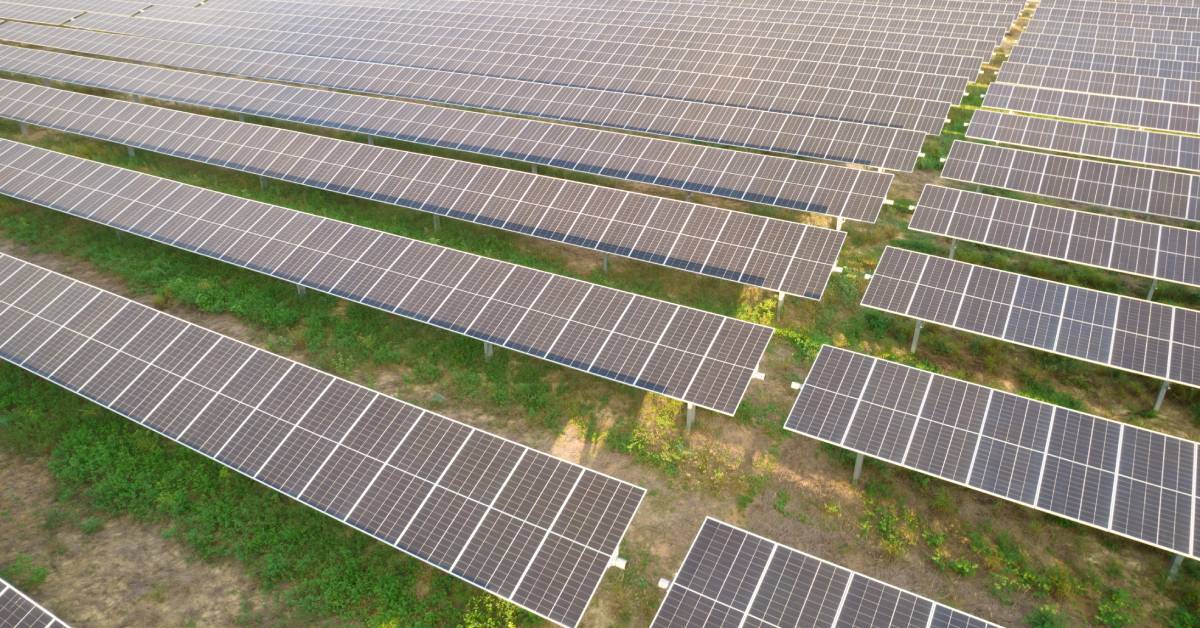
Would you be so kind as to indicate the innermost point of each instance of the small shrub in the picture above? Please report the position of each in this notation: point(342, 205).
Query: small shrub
point(1045, 617)
point(1116, 610)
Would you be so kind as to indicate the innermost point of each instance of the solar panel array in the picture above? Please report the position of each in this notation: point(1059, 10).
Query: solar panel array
point(755, 250)
point(1120, 478)
point(1135, 335)
point(1129, 246)
point(757, 82)
point(39, 14)
point(1143, 190)
point(731, 577)
point(525, 526)
point(795, 135)
point(848, 193)
point(1107, 142)
point(19, 610)
point(677, 351)
point(1107, 62)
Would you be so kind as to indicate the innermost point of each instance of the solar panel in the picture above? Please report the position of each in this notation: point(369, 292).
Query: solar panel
point(845, 192)
point(1133, 112)
point(1141, 48)
point(717, 17)
point(1107, 83)
point(1130, 246)
point(39, 14)
point(530, 528)
point(707, 78)
point(1105, 62)
point(754, 250)
point(18, 609)
point(1119, 478)
point(824, 138)
point(677, 351)
point(1142, 190)
point(1143, 337)
point(754, 29)
point(1110, 17)
point(1107, 142)
point(731, 577)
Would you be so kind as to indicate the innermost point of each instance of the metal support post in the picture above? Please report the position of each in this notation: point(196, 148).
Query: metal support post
point(687, 196)
point(916, 337)
point(1176, 563)
point(1162, 394)
point(604, 260)
point(301, 290)
point(858, 462)
point(779, 308)
point(534, 169)
point(953, 247)
point(437, 222)
point(1153, 287)
point(487, 350)
point(691, 415)
point(838, 223)
point(371, 140)
point(130, 151)
point(262, 183)
point(24, 128)
point(135, 98)
point(241, 117)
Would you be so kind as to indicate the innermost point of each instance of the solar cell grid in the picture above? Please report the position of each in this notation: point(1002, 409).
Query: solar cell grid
point(432, 489)
point(1129, 145)
point(646, 343)
point(732, 79)
point(1183, 70)
point(1132, 112)
point(731, 577)
point(827, 136)
point(691, 237)
point(18, 609)
point(1143, 190)
point(37, 14)
point(1120, 332)
point(1120, 478)
point(1130, 246)
point(1107, 83)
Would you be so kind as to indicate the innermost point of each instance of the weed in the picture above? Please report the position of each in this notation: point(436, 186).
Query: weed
point(23, 573)
point(1045, 617)
point(1117, 609)
point(91, 525)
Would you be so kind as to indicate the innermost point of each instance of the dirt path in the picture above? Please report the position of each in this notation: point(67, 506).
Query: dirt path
point(124, 574)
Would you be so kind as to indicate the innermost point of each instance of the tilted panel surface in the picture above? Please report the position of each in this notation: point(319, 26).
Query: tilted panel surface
point(1131, 188)
point(1143, 337)
point(677, 351)
point(755, 250)
point(1091, 140)
point(731, 577)
point(1129, 246)
point(533, 529)
point(1123, 479)
point(822, 137)
point(1132, 112)
point(850, 193)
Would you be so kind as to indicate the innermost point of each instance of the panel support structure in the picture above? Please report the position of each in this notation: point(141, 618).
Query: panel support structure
point(24, 129)
point(691, 415)
point(1153, 287)
point(301, 290)
point(437, 222)
point(605, 262)
point(1176, 563)
point(1162, 394)
point(487, 350)
point(858, 464)
point(779, 308)
point(953, 248)
point(912, 348)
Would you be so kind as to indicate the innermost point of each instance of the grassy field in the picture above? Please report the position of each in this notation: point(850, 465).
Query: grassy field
point(1001, 561)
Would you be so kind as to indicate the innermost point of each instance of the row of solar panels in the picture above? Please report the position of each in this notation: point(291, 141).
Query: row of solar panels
point(676, 351)
point(18, 609)
point(779, 255)
point(1106, 62)
point(731, 577)
point(778, 181)
point(526, 526)
point(825, 137)
point(788, 95)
